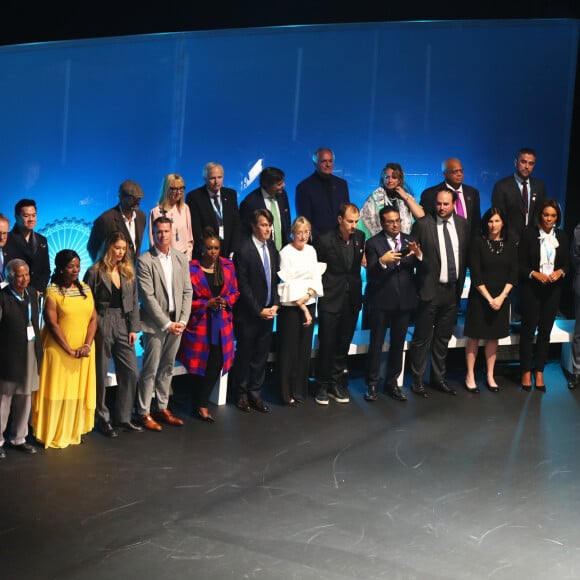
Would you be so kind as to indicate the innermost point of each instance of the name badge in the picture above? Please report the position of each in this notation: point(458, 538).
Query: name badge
point(221, 232)
point(30, 333)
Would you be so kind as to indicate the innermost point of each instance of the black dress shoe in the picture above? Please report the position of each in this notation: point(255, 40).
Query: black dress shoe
point(371, 394)
point(419, 389)
point(397, 394)
point(243, 404)
point(574, 382)
point(443, 387)
point(107, 430)
point(298, 400)
point(131, 427)
point(259, 405)
point(25, 448)
point(291, 403)
point(2, 453)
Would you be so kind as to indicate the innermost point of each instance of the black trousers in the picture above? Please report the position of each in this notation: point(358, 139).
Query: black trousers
point(398, 323)
point(433, 328)
point(253, 341)
point(294, 349)
point(539, 307)
point(335, 331)
point(203, 385)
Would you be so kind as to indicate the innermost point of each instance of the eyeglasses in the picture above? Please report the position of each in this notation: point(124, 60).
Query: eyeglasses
point(305, 234)
point(180, 188)
point(4, 234)
point(392, 222)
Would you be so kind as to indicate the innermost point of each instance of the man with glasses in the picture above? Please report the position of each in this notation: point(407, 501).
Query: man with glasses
point(391, 298)
point(467, 205)
point(26, 244)
point(125, 217)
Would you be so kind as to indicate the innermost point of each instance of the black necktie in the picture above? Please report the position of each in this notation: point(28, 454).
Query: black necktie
point(525, 196)
point(451, 268)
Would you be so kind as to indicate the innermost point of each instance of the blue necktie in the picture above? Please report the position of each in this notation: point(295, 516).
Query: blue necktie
point(1, 266)
point(267, 271)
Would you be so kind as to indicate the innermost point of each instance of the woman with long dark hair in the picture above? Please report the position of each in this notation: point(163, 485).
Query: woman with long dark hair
point(543, 254)
point(494, 271)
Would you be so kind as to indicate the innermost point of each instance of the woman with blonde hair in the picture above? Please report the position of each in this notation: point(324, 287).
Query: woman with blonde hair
point(301, 284)
point(172, 204)
point(112, 281)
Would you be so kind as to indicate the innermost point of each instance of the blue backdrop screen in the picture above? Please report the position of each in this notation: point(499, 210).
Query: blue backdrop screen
point(79, 117)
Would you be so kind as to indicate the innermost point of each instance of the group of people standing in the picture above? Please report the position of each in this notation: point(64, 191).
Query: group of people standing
point(217, 276)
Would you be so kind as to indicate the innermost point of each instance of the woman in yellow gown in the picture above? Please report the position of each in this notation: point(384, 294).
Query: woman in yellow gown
point(64, 406)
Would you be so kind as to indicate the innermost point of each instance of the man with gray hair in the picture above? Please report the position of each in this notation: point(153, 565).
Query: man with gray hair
point(214, 206)
point(20, 352)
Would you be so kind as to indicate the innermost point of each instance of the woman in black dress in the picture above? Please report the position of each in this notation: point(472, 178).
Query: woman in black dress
point(543, 263)
point(494, 271)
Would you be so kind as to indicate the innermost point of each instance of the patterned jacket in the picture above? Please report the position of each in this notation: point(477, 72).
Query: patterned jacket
point(195, 341)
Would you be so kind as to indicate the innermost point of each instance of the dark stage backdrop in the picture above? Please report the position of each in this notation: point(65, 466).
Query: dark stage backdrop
point(79, 117)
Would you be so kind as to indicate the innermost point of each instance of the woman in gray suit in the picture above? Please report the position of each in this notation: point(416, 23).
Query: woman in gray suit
point(112, 281)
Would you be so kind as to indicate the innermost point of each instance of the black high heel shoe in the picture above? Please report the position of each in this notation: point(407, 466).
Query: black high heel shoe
point(493, 389)
point(207, 418)
point(471, 389)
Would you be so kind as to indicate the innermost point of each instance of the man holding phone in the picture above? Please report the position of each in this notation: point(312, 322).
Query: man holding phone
point(391, 298)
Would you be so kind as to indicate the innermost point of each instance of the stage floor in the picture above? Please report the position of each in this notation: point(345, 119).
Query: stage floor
point(469, 487)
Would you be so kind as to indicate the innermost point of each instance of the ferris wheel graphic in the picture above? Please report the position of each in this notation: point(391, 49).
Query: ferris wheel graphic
point(69, 234)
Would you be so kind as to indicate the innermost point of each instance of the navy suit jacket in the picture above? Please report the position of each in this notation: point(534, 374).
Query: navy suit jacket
point(35, 254)
point(112, 221)
point(255, 200)
point(472, 203)
point(429, 268)
point(393, 287)
point(506, 195)
point(203, 215)
point(319, 203)
point(252, 281)
point(339, 280)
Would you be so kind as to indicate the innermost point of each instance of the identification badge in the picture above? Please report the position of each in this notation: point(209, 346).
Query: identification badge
point(30, 333)
point(221, 232)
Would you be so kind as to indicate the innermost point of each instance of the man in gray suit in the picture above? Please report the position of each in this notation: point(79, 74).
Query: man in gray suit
point(165, 293)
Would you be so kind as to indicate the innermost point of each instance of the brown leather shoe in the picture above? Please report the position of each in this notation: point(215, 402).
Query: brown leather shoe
point(149, 423)
point(167, 417)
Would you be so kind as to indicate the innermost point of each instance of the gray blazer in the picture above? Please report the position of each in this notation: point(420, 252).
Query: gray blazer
point(101, 288)
point(153, 290)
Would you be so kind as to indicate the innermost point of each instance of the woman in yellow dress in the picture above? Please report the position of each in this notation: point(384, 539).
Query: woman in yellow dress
point(64, 406)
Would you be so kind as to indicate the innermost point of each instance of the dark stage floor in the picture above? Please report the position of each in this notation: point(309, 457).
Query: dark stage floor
point(472, 486)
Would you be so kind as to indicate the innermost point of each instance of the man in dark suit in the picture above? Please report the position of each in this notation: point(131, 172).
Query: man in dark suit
point(215, 206)
point(257, 263)
point(342, 249)
point(518, 195)
point(26, 244)
point(391, 297)
point(443, 239)
point(165, 294)
point(468, 204)
point(125, 217)
point(270, 195)
point(319, 196)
